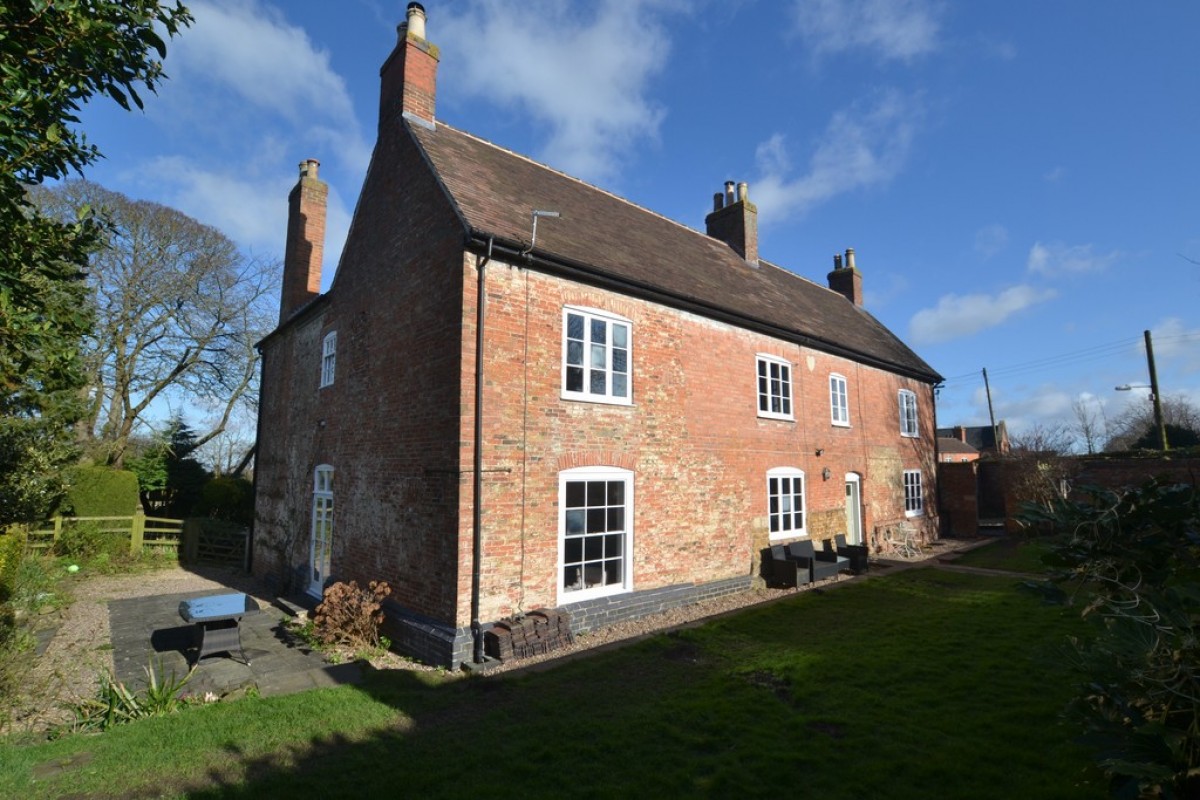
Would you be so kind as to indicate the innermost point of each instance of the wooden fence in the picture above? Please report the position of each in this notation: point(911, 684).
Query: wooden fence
point(153, 535)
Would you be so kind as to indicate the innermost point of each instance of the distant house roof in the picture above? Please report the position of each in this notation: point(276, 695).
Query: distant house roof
point(495, 191)
point(980, 437)
point(949, 445)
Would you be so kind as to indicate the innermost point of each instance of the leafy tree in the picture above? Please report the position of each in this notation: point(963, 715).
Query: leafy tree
point(54, 57)
point(178, 311)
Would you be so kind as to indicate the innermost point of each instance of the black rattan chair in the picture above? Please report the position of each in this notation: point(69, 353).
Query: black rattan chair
point(857, 553)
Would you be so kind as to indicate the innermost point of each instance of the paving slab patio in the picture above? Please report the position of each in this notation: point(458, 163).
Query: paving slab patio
point(149, 630)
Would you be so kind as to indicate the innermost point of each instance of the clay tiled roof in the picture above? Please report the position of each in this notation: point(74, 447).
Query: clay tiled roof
point(948, 445)
point(496, 190)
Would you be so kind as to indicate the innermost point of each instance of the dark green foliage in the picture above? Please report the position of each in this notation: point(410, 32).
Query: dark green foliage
point(227, 498)
point(101, 492)
point(1177, 436)
point(54, 57)
point(92, 544)
point(171, 480)
point(1135, 558)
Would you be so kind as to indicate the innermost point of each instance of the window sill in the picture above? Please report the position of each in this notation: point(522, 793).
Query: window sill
point(582, 595)
point(788, 535)
point(840, 424)
point(600, 401)
point(777, 417)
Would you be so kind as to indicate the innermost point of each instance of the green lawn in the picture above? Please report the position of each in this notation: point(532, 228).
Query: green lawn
point(1010, 553)
point(921, 684)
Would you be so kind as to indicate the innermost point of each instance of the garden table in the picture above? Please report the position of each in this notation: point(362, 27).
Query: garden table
point(218, 622)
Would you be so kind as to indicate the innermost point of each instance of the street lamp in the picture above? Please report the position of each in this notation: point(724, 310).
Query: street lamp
point(1154, 397)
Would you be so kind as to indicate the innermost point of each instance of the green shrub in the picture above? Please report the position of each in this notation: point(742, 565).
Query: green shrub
point(1135, 559)
point(88, 541)
point(114, 704)
point(12, 552)
point(227, 498)
point(101, 492)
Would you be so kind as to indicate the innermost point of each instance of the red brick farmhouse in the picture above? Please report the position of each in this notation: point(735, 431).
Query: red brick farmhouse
point(496, 409)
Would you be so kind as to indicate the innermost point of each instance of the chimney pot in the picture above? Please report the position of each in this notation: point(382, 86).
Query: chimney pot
point(718, 201)
point(743, 192)
point(416, 20)
point(837, 260)
point(850, 258)
point(309, 167)
point(729, 193)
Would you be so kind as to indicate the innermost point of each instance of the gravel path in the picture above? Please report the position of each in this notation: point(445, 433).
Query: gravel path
point(80, 651)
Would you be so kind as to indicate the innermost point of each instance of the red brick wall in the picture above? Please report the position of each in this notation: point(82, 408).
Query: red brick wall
point(398, 423)
point(389, 423)
point(693, 439)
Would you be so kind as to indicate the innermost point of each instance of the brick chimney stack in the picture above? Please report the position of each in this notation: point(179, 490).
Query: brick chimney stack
point(734, 220)
point(845, 279)
point(305, 245)
point(408, 79)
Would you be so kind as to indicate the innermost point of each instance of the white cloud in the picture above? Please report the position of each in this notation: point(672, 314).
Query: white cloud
point(254, 214)
point(990, 240)
point(1055, 175)
point(271, 64)
point(1175, 342)
point(1056, 258)
point(861, 146)
point(962, 315)
point(889, 29)
point(584, 76)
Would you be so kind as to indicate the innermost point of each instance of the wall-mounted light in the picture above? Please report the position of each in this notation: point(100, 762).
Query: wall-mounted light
point(826, 474)
point(820, 451)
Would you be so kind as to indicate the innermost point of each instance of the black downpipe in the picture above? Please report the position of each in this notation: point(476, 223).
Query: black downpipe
point(477, 480)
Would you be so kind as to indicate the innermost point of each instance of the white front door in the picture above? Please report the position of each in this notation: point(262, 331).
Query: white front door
point(853, 509)
point(322, 531)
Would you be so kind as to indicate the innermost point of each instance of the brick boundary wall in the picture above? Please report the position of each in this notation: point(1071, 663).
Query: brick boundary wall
point(443, 645)
point(1113, 473)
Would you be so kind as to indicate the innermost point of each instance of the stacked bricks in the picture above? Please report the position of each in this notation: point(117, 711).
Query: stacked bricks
point(539, 632)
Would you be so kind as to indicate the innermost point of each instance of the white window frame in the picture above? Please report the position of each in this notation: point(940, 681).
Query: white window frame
point(839, 400)
point(584, 559)
point(322, 515)
point(914, 493)
point(909, 425)
point(781, 492)
point(773, 382)
point(328, 358)
point(610, 352)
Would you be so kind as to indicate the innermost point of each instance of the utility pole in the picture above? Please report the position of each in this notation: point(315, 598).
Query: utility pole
point(1158, 415)
point(991, 414)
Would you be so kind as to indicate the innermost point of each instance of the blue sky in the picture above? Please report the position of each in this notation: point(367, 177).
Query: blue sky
point(1019, 180)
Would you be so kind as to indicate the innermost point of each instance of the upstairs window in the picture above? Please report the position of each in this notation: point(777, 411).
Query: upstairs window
point(774, 388)
point(328, 358)
point(908, 413)
point(839, 400)
point(596, 357)
point(785, 502)
point(914, 497)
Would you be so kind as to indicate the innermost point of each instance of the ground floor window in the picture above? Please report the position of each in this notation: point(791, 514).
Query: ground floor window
point(785, 502)
point(595, 532)
point(914, 497)
point(321, 545)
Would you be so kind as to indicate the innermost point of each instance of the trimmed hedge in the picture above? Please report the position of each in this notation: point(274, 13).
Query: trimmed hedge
point(101, 492)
